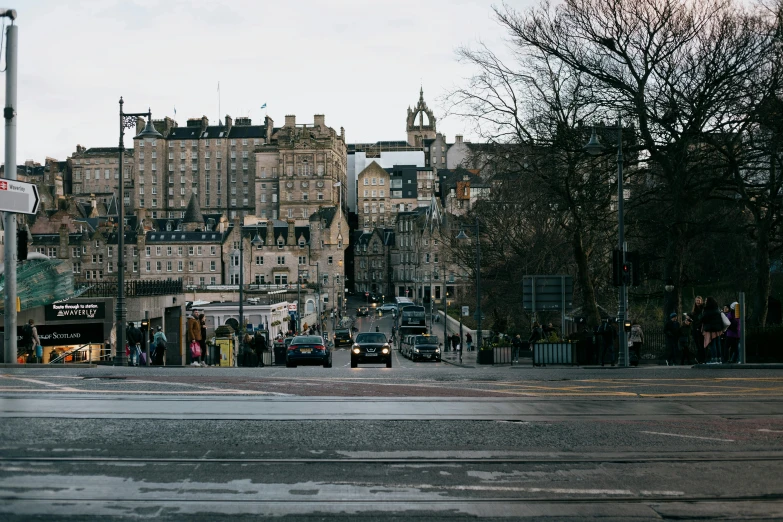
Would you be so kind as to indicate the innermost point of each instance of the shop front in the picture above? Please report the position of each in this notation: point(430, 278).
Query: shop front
point(79, 343)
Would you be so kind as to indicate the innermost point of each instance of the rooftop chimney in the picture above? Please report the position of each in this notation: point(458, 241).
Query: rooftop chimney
point(319, 120)
point(290, 120)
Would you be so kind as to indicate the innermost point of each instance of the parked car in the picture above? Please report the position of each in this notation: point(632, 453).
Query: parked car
point(362, 311)
point(388, 307)
point(308, 349)
point(342, 336)
point(423, 346)
point(371, 347)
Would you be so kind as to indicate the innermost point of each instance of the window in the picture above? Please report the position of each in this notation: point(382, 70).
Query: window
point(190, 250)
point(190, 266)
point(302, 260)
point(259, 260)
point(148, 266)
point(212, 266)
point(135, 266)
point(158, 266)
point(280, 260)
point(213, 250)
point(157, 251)
point(366, 181)
point(198, 251)
point(168, 266)
point(329, 260)
point(381, 181)
point(168, 251)
point(281, 279)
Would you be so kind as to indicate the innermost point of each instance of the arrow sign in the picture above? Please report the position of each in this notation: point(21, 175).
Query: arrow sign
point(19, 197)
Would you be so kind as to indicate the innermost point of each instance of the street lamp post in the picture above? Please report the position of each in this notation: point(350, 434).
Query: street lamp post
point(594, 148)
point(242, 328)
point(127, 121)
point(462, 236)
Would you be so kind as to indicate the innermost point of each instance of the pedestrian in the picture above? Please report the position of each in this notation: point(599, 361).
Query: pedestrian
point(30, 340)
point(536, 334)
point(469, 341)
point(696, 332)
point(203, 342)
point(733, 334)
point(516, 345)
point(454, 341)
point(159, 344)
point(135, 338)
point(608, 332)
point(671, 331)
point(260, 347)
point(636, 339)
point(712, 327)
point(194, 338)
point(685, 340)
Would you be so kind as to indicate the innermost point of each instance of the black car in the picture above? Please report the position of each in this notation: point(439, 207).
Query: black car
point(423, 347)
point(371, 347)
point(308, 349)
point(362, 311)
point(342, 336)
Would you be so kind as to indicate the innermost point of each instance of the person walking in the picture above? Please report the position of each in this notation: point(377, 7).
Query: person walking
point(135, 338)
point(671, 331)
point(733, 334)
point(194, 336)
point(516, 346)
point(636, 339)
point(696, 332)
point(685, 340)
point(712, 327)
point(608, 332)
point(454, 342)
point(204, 360)
point(469, 341)
point(30, 341)
point(159, 343)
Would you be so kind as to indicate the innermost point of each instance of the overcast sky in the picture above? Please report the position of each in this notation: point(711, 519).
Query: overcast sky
point(358, 62)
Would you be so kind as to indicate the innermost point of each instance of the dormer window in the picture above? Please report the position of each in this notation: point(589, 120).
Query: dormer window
point(301, 243)
point(280, 243)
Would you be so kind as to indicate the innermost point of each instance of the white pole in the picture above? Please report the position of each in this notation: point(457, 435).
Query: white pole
point(9, 218)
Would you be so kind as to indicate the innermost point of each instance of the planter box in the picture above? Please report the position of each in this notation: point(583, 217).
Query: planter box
point(485, 357)
point(554, 353)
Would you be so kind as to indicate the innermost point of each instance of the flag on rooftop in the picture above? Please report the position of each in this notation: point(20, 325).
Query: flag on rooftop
point(263, 106)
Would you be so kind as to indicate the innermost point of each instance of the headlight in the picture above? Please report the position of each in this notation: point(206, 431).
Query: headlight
point(355, 346)
point(437, 350)
point(416, 350)
point(385, 350)
point(355, 350)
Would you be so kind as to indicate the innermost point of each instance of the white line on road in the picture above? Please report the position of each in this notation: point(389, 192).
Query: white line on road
point(687, 436)
point(770, 431)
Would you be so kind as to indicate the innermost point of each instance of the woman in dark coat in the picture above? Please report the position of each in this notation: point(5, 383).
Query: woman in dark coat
point(698, 336)
point(712, 326)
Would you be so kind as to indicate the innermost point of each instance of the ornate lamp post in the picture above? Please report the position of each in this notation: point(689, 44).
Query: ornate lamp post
point(127, 121)
point(594, 148)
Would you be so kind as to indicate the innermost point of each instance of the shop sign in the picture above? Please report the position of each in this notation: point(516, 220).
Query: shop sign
point(70, 310)
point(66, 334)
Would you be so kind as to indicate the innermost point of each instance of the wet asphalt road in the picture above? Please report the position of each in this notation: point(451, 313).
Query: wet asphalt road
point(388, 444)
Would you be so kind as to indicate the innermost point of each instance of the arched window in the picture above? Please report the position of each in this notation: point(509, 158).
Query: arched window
point(310, 307)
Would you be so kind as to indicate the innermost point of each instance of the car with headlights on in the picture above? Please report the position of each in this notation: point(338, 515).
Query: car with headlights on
point(362, 311)
point(371, 347)
point(308, 349)
point(424, 347)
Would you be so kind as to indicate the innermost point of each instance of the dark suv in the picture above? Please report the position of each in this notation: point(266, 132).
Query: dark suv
point(371, 347)
point(424, 346)
point(342, 336)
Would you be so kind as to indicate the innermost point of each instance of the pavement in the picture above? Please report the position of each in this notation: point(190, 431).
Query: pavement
point(430, 441)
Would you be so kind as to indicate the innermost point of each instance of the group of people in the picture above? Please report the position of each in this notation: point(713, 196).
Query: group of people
point(455, 343)
point(157, 343)
point(714, 331)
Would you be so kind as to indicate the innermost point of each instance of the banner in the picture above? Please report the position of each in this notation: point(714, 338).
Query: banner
point(71, 310)
point(66, 334)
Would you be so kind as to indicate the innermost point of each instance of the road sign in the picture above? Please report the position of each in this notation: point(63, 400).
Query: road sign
point(292, 307)
point(19, 197)
point(465, 311)
point(546, 293)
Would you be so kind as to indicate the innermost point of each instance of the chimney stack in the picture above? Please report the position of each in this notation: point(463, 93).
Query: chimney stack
point(319, 120)
point(290, 120)
point(291, 239)
point(270, 232)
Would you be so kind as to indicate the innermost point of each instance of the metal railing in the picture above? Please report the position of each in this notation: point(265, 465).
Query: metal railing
point(136, 288)
point(72, 351)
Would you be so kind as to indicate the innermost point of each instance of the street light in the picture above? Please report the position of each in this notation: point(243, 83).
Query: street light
point(127, 121)
point(594, 148)
point(462, 236)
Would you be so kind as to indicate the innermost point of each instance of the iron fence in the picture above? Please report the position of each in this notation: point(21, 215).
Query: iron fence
point(132, 288)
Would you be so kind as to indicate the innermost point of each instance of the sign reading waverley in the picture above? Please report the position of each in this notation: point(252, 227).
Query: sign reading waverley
point(69, 311)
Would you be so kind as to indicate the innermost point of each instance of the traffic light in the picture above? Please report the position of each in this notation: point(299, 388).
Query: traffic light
point(627, 273)
point(636, 268)
point(21, 245)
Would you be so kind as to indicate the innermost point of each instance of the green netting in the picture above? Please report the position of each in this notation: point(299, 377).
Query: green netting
point(40, 282)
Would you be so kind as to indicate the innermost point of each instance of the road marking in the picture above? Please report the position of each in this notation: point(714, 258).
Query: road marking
point(770, 431)
point(561, 491)
point(687, 436)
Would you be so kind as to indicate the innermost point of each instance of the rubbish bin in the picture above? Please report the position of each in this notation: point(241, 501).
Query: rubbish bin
point(224, 342)
point(279, 349)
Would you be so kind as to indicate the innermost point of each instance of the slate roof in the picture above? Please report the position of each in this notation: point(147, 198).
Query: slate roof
point(193, 212)
point(184, 237)
point(325, 213)
point(104, 150)
point(247, 131)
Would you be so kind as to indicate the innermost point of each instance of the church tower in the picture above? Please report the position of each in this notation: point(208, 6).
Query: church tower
point(421, 123)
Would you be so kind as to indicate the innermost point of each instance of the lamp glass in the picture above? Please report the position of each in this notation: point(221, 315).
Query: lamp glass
point(594, 147)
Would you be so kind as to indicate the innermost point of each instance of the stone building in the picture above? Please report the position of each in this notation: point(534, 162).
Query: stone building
point(420, 124)
point(373, 262)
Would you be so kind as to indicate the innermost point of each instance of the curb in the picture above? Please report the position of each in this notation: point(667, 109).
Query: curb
point(36, 366)
point(752, 366)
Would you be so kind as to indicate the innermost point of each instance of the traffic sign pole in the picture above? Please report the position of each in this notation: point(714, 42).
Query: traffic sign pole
point(9, 218)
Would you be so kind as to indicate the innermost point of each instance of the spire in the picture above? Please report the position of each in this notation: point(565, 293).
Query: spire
point(434, 215)
point(193, 215)
point(421, 94)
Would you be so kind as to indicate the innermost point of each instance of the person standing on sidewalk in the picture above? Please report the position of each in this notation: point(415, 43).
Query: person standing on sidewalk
point(636, 339)
point(696, 332)
point(712, 326)
point(202, 321)
point(135, 338)
point(469, 341)
point(685, 340)
point(671, 330)
point(733, 334)
point(194, 335)
point(516, 345)
point(159, 345)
